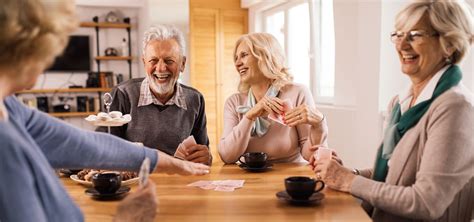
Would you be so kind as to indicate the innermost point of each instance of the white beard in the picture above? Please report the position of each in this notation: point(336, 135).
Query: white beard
point(162, 88)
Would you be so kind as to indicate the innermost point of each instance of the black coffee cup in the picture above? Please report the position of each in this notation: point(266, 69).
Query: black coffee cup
point(107, 183)
point(254, 160)
point(301, 188)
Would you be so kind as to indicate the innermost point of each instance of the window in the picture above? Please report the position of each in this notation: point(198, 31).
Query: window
point(305, 28)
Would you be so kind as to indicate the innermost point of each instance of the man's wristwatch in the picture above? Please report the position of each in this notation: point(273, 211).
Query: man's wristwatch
point(355, 171)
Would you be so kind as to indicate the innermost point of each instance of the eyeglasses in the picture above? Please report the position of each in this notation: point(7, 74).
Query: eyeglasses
point(413, 37)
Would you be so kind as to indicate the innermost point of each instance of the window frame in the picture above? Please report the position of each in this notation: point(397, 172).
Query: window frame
point(315, 55)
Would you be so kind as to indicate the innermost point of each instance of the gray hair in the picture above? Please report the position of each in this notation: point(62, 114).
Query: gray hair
point(164, 32)
point(451, 19)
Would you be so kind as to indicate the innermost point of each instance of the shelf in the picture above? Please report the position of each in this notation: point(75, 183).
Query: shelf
point(72, 114)
point(105, 25)
point(113, 58)
point(73, 90)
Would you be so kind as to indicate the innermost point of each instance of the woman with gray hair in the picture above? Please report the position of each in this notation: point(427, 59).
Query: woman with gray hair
point(424, 167)
point(33, 33)
point(261, 117)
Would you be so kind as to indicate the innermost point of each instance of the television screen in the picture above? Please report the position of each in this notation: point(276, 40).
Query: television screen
point(76, 56)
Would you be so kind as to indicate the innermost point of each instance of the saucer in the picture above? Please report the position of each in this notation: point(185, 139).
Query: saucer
point(89, 183)
point(315, 198)
point(117, 195)
point(256, 169)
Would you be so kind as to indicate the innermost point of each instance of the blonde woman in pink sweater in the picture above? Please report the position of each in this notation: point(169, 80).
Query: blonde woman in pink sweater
point(266, 90)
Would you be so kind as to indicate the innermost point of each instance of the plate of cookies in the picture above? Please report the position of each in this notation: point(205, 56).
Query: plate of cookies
point(84, 177)
point(114, 118)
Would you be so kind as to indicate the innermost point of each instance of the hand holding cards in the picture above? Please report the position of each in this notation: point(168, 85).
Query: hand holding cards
point(181, 152)
point(287, 106)
point(323, 153)
point(144, 172)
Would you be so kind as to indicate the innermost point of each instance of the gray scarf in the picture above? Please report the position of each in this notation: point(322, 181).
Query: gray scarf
point(260, 126)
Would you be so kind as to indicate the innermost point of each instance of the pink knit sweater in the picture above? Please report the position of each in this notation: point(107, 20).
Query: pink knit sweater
point(281, 143)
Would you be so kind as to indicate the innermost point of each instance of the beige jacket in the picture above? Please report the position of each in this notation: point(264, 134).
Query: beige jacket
point(430, 176)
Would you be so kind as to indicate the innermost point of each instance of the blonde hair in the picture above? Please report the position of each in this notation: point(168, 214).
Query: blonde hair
point(270, 57)
point(34, 30)
point(452, 19)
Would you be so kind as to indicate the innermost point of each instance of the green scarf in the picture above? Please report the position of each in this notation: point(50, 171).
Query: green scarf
point(399, 124)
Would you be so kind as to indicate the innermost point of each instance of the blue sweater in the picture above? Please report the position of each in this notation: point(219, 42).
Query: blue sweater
point(32, 144)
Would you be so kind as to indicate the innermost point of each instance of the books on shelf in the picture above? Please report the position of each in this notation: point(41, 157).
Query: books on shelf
point(107, 80)
point(79, 104)
point(103, 79)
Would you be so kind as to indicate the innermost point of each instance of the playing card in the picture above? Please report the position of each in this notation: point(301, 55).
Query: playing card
point(183, 145)
point(189, 141)
point(323, 153)
point(198, 183)
point(144, 172)
point(218, 185)
point(224, 189)
point(208, 187)
point(287, 106)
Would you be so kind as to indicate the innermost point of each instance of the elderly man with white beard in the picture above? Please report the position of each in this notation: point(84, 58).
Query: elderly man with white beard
point(164, 112)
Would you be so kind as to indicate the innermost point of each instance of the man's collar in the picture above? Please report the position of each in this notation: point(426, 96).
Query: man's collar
point(146, 96)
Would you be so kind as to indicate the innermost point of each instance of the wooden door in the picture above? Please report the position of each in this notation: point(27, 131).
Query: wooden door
point(233, 25)
point(213, 32)
point(204, 42)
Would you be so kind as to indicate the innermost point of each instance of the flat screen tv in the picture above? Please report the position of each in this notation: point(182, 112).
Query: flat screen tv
point(76, 56)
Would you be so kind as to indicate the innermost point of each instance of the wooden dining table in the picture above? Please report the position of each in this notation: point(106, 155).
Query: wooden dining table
point(255, 201)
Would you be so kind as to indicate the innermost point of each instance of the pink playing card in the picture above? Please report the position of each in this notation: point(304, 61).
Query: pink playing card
point(279, 118)
point(323, 153)
point(224, 189)
point(189, 141)
point(199, 183)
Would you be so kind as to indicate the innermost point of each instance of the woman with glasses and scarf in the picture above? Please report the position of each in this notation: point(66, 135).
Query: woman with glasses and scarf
point(425, 165)
point(270, 113)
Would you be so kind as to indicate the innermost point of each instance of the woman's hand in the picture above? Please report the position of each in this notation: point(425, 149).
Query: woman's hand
point(334, 175)
point(140, 205)
point(265, 106)
point(314, 151)
point(303, 114)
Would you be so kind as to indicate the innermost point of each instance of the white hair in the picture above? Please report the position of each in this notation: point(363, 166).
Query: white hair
point(164, 32)
point(451, 19)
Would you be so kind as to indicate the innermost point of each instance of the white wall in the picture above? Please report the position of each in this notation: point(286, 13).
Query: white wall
point(143, 13)
point(392, 80)
point(175, 13)
point(367, 77)
point(354, 125)
point(86, 9)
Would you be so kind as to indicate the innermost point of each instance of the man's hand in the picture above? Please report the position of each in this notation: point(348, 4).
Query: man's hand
point(140, 205)
point(198, 154)
point(181, 152)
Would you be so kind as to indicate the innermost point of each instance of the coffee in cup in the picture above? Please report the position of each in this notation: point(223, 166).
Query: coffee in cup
point(301, 188)
point(254, 160)
point(107, 183)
